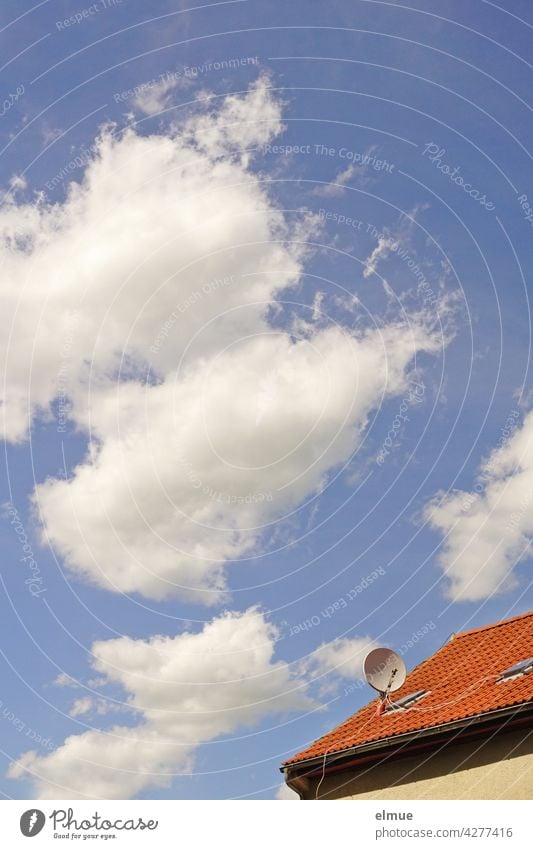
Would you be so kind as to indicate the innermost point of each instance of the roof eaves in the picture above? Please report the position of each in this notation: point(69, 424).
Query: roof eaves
point(406, 736)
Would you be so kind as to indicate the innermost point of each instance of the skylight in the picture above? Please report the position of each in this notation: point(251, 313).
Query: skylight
point(406, 701)
point(516, 671)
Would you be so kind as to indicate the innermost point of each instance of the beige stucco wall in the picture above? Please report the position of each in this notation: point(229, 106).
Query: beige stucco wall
point(500, 768)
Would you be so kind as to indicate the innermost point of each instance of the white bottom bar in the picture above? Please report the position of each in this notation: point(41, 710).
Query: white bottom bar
point(266, 825)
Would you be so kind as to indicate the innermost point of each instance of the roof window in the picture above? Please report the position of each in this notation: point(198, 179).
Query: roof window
point(516, 671)
point(406, 701)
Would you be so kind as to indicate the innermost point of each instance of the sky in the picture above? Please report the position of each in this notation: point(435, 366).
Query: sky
point(266, 399)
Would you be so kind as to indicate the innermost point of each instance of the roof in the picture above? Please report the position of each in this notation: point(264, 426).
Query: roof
point(462, 682)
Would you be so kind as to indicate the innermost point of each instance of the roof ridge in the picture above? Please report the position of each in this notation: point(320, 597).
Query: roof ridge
point(492, 625)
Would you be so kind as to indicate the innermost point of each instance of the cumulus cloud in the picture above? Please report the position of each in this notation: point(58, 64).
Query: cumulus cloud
point(146, 297)
point(339, 659)
point(487, 531)
point(156, 228)
point(240, 123)
point(184, 691)
point(343, 656)
point(187, 473)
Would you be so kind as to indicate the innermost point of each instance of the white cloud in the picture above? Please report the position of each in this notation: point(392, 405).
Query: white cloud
point(155, 97)
point(241, 123)
point(380, 253)
point(359, 171)
point(486, 532)
point(186, 474)
point(165, 260)
point(343, 656)
point(81, 706)
point(185, 690)
point(338, 184)
point(338, 659)
point(18, 183)
point(65, 680)
point(155, 226)
point(397, 238)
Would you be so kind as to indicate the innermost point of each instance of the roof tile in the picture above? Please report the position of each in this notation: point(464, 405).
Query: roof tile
point(462, 682)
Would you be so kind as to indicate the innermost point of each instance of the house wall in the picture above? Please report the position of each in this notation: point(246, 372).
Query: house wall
point(498, 768)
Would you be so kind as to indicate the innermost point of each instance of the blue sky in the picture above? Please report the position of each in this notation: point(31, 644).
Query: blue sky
point(266, 389)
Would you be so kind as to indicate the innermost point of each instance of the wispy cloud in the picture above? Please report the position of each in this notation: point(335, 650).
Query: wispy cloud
point(339, 183)
point(380, 253)
point(353, 173)
point(156, 97)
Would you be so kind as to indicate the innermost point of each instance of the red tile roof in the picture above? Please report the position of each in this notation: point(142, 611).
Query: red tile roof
point(461, 680)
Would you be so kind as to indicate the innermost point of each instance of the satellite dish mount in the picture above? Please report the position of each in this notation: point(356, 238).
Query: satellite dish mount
point(385, 671)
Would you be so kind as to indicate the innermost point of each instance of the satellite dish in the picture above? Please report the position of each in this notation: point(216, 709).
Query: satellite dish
point(384, 670)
